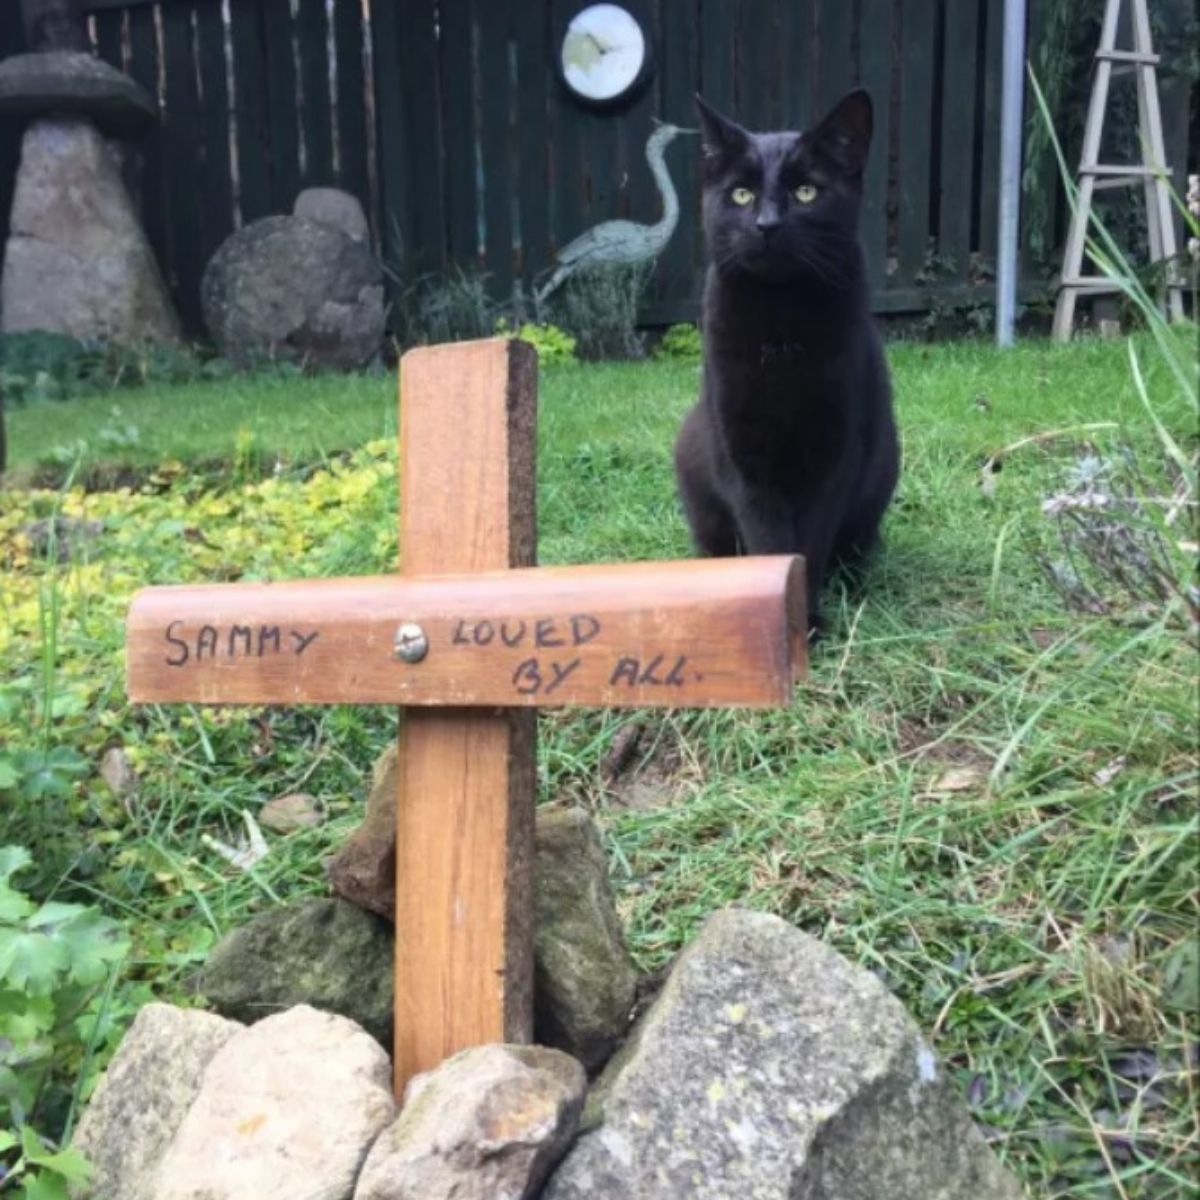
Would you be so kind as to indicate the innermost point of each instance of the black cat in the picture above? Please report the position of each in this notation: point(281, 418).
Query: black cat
point(792, 447)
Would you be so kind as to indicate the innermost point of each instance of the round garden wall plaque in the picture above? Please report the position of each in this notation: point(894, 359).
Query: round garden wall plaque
point(605, 54)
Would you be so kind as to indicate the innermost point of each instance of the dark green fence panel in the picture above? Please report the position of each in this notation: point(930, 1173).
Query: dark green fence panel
point(447, 119)
point(295, 116)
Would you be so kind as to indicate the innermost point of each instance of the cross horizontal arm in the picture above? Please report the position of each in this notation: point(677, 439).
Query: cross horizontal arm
point(680, 634)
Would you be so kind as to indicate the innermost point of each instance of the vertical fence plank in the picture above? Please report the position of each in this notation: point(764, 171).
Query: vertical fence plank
point(989, 171)
point(12, 41)
point(250, 110)
point(533, 173)
point(312, 40)
point(411, 120)
point(753, 37)
point(837, 69)
point(799, 75)
point(569, 194)
point(496, 137)
point(143, 66)
point(182, 110)
point(425, 122)
point(678, 73)
point(601, 184)
point(876, 76)
point(109, 36)
point(352, 139)
point(636, 194)
point(391, 137)
point(916, 105)
point(283, 115)
point(716, 54)
point(958, 136)
point(458, 76)
point(1037, 252)
point(216, 174)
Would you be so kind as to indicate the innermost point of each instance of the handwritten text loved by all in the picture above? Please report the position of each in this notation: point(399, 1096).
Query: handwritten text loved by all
point(545, 651)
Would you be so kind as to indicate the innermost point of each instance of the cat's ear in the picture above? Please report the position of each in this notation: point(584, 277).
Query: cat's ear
point(721, 136)
point(845, 134)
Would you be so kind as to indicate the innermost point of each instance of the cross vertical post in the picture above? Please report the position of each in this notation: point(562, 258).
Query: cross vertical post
point(464, 902)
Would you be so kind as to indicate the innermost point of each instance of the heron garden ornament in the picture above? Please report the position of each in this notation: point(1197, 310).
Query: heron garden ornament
point(625, 243)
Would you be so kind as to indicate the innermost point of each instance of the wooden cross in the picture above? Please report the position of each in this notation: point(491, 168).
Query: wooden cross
point(471, 638)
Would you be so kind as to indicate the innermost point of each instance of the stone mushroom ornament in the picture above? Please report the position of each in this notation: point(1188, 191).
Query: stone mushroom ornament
point(77, 261)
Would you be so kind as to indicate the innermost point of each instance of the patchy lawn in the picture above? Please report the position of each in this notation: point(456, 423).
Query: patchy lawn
point(984, 796)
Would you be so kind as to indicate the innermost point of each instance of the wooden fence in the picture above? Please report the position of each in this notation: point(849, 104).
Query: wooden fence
point(447, 120)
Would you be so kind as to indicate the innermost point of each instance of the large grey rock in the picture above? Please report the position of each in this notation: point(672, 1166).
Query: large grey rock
point(287, 1111)
point(292, 289)
point(770, 1067)
point(77, 261)
point(488, 1124)
point(332, 206)
point(66, 83)
point(324, 953)
point(584, 982)
point(141, 1101)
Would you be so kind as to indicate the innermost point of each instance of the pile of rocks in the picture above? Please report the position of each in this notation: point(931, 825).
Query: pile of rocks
point(766, 1066)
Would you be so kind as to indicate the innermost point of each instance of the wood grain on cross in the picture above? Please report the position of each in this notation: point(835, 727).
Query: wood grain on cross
point(471, 638)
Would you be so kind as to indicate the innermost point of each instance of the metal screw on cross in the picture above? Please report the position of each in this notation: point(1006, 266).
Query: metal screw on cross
point(471, 638)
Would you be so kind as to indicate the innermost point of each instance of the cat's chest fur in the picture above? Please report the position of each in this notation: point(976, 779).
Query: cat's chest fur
point(777, 385)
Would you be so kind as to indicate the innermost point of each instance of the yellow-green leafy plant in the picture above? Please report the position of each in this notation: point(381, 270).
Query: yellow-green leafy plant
point(553, 345)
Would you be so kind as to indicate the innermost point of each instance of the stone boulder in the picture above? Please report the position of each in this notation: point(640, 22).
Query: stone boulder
point(769, 1066)
point(363, 870)
point(66, 83)
point(290, 813)
point(488, 1124)
point(323, 953)
point(584, 981)
point(332, 206)
point(117, 771)
point(293, 289)
point(287, 1109)
point(63, 537)
point(77, 261)
point(143, 1097)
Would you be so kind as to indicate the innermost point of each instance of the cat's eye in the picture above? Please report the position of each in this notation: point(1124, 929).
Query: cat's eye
point(806, 193)
point(741, 196)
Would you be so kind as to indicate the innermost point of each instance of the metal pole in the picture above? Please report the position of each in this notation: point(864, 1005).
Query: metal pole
point(1011, 118)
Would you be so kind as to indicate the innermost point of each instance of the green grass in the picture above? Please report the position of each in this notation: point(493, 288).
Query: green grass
point(984, 797)
point(265, 418)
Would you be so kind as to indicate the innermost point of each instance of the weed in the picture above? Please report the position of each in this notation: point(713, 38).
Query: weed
point(680, 341)
point(39, 366)
point(453, 307)
point(599, 308)
point(55, 960)
point(554, 346)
